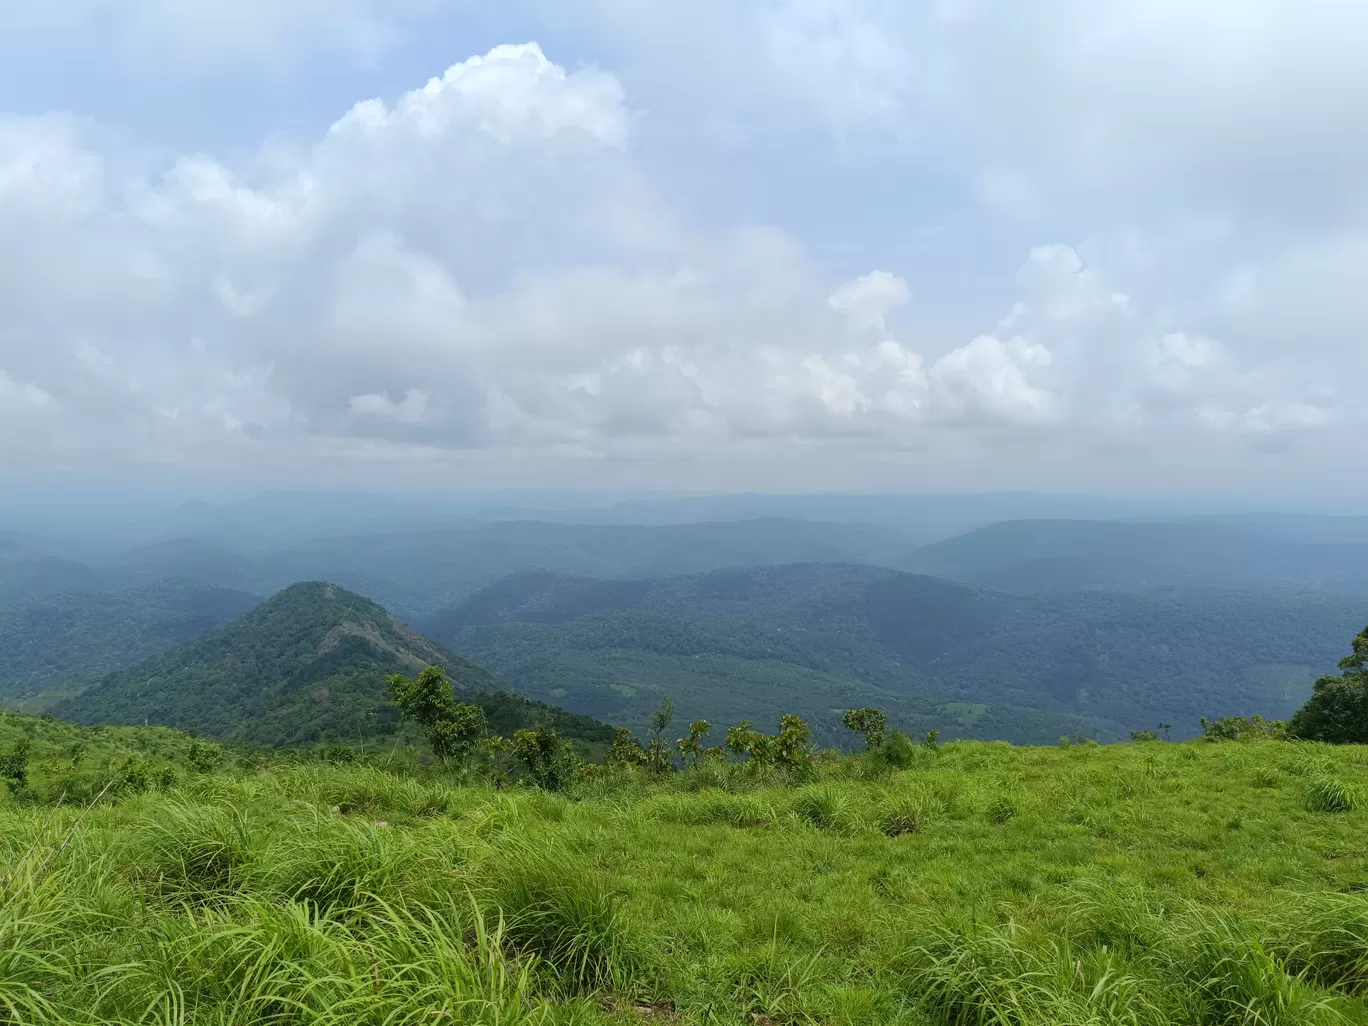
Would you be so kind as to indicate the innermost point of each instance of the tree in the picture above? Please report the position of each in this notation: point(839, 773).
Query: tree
point(625, 749)
point(870, 723)
point(662, 717)
point(1337, 710)
point(658, 752)
point(692, 746)
point(452, 728)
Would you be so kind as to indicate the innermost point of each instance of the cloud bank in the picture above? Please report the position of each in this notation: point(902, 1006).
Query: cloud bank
point(490, 266)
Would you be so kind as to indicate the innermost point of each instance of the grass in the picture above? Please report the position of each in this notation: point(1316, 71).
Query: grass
point(1146, 884)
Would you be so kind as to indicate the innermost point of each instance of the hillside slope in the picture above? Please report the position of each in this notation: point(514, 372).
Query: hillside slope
point(64, 642)
point(306, 665)
point(818, 638)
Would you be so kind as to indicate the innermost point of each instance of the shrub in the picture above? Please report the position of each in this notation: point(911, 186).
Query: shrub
point(896, 752)
point(452, 728)
point(14, 767)
point(549, 761)
point(1238, 728)
point(1143, 736)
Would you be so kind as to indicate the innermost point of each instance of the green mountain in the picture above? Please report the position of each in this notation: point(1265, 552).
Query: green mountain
point(1068, 555)
point(819, 638)
point(306, 665)
point(62, 643)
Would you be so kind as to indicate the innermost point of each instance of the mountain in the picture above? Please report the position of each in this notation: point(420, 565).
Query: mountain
point(306, 665)
point(816, 639)
point(25, 574)
point(64, 642)
point(1069, 555)
point(193, 559)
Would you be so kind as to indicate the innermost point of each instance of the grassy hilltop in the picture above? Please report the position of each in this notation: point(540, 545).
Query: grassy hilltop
point(1151, 883)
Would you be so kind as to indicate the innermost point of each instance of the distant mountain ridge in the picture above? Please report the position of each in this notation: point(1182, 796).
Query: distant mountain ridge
point(1074, 555)
point(306, 665)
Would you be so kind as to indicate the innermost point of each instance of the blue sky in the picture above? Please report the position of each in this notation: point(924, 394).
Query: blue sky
point(790, 244)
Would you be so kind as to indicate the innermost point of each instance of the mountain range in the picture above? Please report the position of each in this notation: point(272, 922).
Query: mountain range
point(1021, 629)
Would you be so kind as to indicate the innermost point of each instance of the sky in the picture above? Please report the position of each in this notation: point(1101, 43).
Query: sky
point(797, 245)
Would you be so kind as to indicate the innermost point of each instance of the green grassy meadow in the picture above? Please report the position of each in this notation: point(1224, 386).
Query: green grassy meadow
point(1144, 883)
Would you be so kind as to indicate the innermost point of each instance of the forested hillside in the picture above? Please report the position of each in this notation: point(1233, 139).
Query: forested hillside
point(818, 638)
point(64, 642)
point(307, 665)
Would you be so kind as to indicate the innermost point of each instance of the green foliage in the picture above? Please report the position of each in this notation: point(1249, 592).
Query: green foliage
point(1240, 728)
point(625, 750)
point(868, 723)
point(14, 765)
point(451, 728)
point(1143, 736)
point(549, 761)
point(691, 748)
point(1337, 710)
point(202, 756)
point(663, 716)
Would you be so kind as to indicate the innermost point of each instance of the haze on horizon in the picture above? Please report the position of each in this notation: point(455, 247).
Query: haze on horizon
point(793, 246)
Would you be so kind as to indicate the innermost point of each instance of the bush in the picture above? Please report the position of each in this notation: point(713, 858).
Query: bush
point(549, 761)
point(1238, 728)
point(897, 751)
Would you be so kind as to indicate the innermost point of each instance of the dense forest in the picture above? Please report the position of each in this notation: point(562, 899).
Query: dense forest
point(64, 642)
point(741, 643)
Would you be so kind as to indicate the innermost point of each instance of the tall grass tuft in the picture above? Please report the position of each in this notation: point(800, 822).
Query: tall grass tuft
point(192, 851)
point(561, 912)
point(1326, 794)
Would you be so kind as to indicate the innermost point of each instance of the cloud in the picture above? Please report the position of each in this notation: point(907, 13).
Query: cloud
point(486, 265)
point(869, 298)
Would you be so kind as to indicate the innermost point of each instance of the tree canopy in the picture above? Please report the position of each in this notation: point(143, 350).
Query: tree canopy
point(1337, 710)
